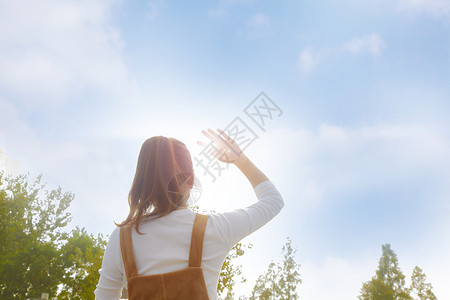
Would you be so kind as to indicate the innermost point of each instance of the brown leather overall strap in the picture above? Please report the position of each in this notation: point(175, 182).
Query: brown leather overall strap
point(126, 247)
point(198, 232)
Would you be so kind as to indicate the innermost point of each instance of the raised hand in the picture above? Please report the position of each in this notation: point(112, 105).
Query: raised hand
point(227, 150)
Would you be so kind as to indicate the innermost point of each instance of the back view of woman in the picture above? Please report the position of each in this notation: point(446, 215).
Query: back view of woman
point(163, 250)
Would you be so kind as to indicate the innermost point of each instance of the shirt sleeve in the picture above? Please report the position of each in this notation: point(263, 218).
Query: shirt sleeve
point(235, 225)
point(111, 274)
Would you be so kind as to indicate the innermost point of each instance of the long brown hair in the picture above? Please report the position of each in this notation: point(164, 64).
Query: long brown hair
point(164, 166)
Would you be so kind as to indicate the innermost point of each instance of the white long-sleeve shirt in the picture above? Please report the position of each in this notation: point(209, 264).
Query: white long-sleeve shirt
point(165, 245)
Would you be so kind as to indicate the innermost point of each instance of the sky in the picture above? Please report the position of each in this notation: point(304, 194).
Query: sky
point(358, 145)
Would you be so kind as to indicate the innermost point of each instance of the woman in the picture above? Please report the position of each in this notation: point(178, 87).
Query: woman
point(163, 250)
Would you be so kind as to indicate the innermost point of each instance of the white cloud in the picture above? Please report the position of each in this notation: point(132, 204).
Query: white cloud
point(333, 158)
point(372, 44)
point(308, 60)
point(6, 165)
point(50, 49)
point(224, 6)
point(435, 8)
point(156, 6)
point(258, 25)
point(335, 278)
point(312, 192)
point(11, 125)
point(55, 56)
point(259, 20)
point(438, 9)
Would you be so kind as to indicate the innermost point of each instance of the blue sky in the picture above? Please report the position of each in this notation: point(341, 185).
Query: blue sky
point(360, 153)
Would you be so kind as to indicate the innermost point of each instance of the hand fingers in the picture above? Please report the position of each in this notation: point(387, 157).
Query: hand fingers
point(226, 136)
point(222, 140)
point(201, 143)
point(217, 137)
point(226, 147)
point(207, 135)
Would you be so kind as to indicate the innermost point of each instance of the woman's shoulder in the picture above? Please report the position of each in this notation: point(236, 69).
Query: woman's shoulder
point(115, 234)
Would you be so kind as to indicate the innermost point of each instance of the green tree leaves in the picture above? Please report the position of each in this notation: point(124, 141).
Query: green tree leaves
point(230, 271)
point(279, 281)
point(419, 287)
point(289, 273)
point(36, 254)
point(389, 281)
point(29, 263)
point(82, 256)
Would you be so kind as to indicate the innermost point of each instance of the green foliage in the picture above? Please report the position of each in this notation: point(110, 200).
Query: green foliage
point(230, 271)
point(419, 287)
point(266, 284)
point(82, 256)
point(289, 273)
point(389, 281)
point(376, 289)
point(30, 219)
point(279, 281)
point(35, 252)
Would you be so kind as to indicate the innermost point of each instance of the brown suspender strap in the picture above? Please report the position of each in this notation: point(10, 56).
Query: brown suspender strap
point(126, 247)
point(195, 252)
point(198, 232)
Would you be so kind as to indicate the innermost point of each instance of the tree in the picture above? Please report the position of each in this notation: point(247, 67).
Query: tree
point(289, 273)
point(229, 272)
point(29, 233)
point(419, 287)
point(82, 256)
point(279, 281)
point(376, 289)
point(36, 253)
point(389, 281)
point(266, 284)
